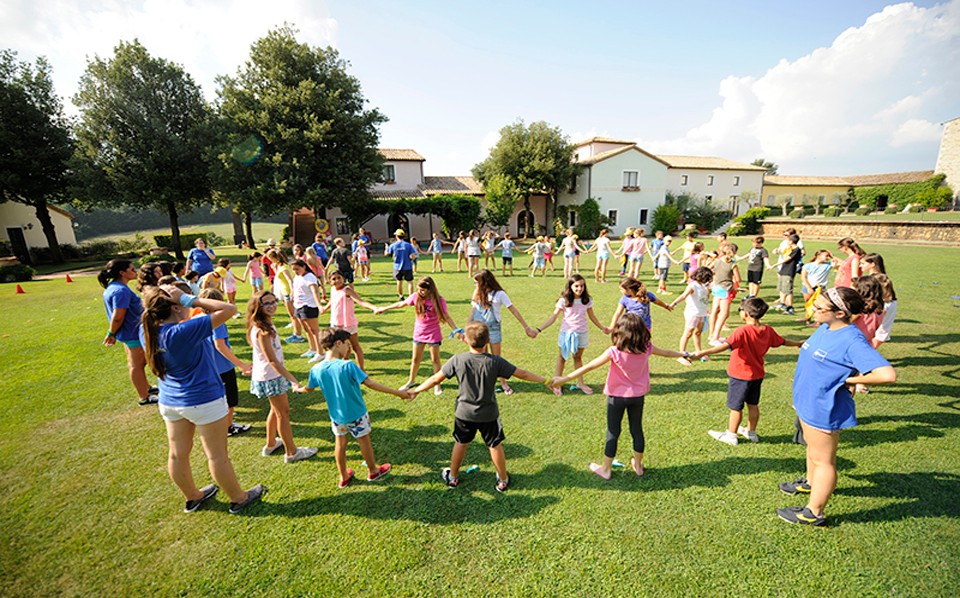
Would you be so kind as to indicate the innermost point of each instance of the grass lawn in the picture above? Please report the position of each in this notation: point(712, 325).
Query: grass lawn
point(88, 508)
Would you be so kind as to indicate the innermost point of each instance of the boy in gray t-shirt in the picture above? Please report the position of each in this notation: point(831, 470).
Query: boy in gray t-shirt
point(476, 410)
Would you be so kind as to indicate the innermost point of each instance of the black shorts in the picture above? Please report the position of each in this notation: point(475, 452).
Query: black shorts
point(229, 379)
point(403, 275)
point(754, 276)
point(491, 432)
point(347, 275)
point(507, 261)
point(743, 391)
point(305, 312)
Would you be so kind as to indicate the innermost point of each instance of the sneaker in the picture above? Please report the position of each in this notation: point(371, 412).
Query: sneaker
point(235, 429)
point(154, 390)
point(253, 495)
point(382, 471)
point(725, 436)
point(714, 343)
point(407, 386)
point(437, 390)
point(148, 400)
point(316, 358)
point(448, 479)
point(310, 353)
point(293, 338)
point(301, 454)
point(208, 493)
point(748, 434)
point(801, 515)
point(502, 485)
point(790, 311)
point(777, 306)
point(346, 481)
point(705, 358)
point(798, 486)
point(269, 450)
point(290, 325)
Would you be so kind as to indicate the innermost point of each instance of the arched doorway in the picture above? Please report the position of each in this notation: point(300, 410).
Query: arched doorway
point(395, 221)
point(523, 218)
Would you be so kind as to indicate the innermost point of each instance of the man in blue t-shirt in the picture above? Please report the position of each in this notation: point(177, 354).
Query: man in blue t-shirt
point(401, 251)
point(320, 246)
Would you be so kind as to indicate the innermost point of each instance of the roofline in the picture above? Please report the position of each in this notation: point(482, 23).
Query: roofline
point(621, 150)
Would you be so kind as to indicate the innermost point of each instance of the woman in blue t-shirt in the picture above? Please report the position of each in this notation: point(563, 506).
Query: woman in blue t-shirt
point(180, 352)
point(200, 259)
point(124, 309)
point(832, 362)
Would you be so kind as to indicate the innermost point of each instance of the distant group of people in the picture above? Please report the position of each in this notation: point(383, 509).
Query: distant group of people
point(179, 331)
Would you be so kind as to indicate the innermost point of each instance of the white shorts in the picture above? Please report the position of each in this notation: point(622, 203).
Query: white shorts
point(357, 429)
point(200, 415)
point(694, 322)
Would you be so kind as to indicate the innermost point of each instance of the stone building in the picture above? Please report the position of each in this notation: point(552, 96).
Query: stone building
point(948, 158)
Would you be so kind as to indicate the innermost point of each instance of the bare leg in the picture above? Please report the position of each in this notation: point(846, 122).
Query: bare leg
point(821, 465)
point(753, 417)
point(499, 459)
point(366, 449)
point(180, 440)
point(136, 364)
point(272, 426)
point(280, 407)
point(415, 360)
point(577, 364)
point(340, 456)
point(735, 418)
point(214, 439)
point(456, 459)
point(357, 349)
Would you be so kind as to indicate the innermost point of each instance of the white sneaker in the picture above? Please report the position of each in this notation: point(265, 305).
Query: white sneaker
point(301, 454)
point(436, 390)
point(269, 450)
point(725, 436)
point(714, 343)
point(316, 358)
point(406, 386)
point(290, 325)
point(751, 436)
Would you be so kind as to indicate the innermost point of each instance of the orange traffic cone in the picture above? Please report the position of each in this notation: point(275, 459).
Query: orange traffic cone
point(20, 290)
point(69, 279)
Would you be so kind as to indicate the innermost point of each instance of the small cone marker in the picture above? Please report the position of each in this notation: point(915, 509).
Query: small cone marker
point(20, 290)
point(69, 279)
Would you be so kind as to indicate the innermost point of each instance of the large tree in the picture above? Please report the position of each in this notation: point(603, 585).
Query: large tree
point(535, 159)
point(296, 131)
point(35, 140)
point(143, 132)
point(769, 166)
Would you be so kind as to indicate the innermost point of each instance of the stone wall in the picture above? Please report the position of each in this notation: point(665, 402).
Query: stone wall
point(906, 231)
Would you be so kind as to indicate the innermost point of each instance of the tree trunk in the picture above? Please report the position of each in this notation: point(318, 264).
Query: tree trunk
point(49, 231)
point(175, 229)
point(526, 216)
point(248, 223)
point(237, 218)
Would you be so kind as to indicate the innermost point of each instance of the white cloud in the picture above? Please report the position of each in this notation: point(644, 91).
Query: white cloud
point(207, 37)
point(878, 87)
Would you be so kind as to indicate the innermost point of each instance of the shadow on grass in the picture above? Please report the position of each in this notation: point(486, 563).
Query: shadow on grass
point(440, 505)
point(914, 426)
point(917, 494)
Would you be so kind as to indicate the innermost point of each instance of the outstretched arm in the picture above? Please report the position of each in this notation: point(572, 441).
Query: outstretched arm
point(558, 381)
point(528, 376)
point(596, 322)
point(430, 382)
point(373, 385)
point(356, 299)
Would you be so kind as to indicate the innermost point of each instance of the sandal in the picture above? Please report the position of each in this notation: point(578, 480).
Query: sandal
point(640, 472)
point(599, 471)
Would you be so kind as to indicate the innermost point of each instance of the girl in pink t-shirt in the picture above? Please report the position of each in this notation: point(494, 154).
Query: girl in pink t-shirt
point(342, 313)
point(576, 307)
point(430, 309)
point(628, 381)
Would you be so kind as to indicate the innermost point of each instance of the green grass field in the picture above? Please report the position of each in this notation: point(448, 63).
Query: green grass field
point(87, 507)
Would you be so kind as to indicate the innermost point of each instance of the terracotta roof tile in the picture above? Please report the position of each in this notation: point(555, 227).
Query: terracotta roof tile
point(401, 154)
point(614, 152)
point(605, 140)
point(706, 163)
point(441, 185)
point(863, 180)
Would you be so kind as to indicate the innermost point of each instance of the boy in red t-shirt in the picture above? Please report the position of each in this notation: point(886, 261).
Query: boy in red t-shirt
point(749, 344)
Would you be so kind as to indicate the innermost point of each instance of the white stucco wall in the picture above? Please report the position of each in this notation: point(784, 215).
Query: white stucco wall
point(18, 215)
point(409, 174)
point(723, 187)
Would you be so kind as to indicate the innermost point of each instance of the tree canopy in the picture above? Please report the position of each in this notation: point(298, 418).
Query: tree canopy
point(294, 130)
point(35, 140)
point(141, 138)
point(535, 159)
point(770, 166)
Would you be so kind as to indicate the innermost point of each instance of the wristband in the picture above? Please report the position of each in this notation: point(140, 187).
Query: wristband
point(111, 334)
point(187, 300)
point(538, 330)
point(454, 332)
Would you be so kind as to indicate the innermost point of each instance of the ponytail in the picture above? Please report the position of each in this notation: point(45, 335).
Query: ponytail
point(157, 308)
point(112, 271)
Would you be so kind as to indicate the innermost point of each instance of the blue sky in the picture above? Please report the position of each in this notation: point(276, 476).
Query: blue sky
point(851, 87)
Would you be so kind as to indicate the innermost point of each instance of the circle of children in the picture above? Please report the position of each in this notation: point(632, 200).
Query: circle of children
point(178, 330)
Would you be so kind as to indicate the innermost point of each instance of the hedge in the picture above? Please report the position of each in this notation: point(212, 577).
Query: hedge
point(832, 212)
point(798, 213)
point(899, 193)
point(16, 273)
point(863, 211)
point(163, 257)
point(917, 209)
point(187, 240)
point(891, 210)
point(748, 223)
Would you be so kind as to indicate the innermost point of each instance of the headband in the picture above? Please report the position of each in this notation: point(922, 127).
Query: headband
point(834, 297)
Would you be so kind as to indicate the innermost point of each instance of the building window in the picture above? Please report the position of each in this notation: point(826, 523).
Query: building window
point(771, 200)
point(571, 218)
point(683, 180)
point(709, 180)
point(389, 174)
point(342, 227)
point(736, 181)
point(631, 180)
point(643, 216)
point(612, 217)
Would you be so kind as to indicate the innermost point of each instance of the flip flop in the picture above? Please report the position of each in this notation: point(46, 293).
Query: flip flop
point(346, 482)
point(557, 391)
point(586, 389)
point(599, 471)
point(633, 464)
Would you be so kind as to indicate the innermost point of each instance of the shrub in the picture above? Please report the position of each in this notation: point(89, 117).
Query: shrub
point(917, 209)
point(186, 240)
point(935, 198)
point(898, 193)
point(589, 219)
point(798, 213)
point(16, 273)
point(891, 210)
point(665, 218)
point(5, 250)
point(163, 257)
point(748, 223)
point(833, 212)
point(863, 211)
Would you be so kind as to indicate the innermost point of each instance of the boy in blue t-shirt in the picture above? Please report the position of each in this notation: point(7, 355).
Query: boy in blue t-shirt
point(339, 379)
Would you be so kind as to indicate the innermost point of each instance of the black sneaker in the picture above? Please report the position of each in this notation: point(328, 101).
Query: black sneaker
point(253, 495)
point(790, 311)
point(154, 390)
point(208, 493)
point(235, 429)
point(798, 486)
point(448, 479)
point(148, 400)
point(802, 516)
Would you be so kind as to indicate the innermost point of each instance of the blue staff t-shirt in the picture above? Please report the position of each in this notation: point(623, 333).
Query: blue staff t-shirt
point(827, 359)
point(340, 380)
point(187, 351)
point(200, 261)
point(223, 364)
point(401, 251)
point(118, 296)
